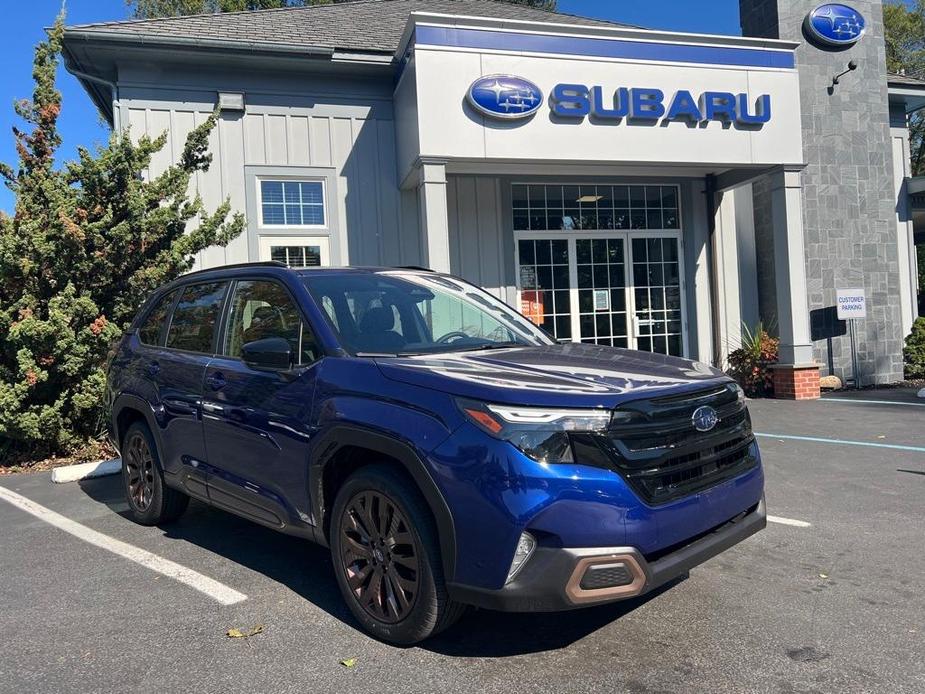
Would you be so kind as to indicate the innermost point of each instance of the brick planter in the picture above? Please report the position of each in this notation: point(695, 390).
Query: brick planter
point(796, 382)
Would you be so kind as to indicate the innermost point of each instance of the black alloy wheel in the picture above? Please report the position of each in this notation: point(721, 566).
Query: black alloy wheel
point(150, 500)
point(379, 557)
point(386, 554)
point(139, 464)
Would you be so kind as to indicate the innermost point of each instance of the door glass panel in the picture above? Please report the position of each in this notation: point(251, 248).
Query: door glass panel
point(262, 309)
point(192, 327)
point(657, 291)
point(150, 331)
point(544, 285)
point(601, 295)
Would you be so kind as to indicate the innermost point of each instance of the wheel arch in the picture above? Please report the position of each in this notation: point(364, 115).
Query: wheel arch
point(343, 443)
point(128, 409)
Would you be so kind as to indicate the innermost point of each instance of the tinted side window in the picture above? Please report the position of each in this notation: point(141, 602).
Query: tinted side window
point(193, 324)
point(150, 330)
point(262, 309)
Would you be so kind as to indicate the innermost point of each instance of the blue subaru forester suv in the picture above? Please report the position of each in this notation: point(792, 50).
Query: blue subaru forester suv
point(445, 448)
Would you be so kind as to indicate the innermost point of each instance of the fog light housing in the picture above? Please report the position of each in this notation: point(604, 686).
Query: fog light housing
point(525, 546)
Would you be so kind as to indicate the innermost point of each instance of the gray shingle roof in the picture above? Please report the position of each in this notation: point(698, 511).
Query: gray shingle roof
point(904, 80)
point(365, 25)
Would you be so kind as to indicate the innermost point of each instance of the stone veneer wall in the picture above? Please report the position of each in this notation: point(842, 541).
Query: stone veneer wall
point(849, 201)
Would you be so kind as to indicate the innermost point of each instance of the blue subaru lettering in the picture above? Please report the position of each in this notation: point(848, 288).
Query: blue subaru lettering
point(570, 101)
point(683, 106)
point(718, 106)
point(834, 24)
point(647, 104)
point(621, 105)
point(762, 110)
point(505, 96)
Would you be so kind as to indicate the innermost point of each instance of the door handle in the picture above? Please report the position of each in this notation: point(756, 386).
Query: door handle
point(153, 368)
point(212, 407)
point(216, 381)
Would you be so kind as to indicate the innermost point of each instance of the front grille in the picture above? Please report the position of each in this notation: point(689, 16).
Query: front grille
point(660, 453)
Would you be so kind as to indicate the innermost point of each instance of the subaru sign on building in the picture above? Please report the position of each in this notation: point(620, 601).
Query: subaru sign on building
point(505, 96)
point(619, 186)
point(835, 24)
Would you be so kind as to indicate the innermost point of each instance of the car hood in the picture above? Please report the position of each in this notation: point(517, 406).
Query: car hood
point(574, 374)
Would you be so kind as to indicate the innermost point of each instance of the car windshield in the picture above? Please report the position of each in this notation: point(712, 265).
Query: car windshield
point(403, 313)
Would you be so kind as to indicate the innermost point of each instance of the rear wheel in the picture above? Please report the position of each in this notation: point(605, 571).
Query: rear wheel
point(387, 558)
point(150, 500)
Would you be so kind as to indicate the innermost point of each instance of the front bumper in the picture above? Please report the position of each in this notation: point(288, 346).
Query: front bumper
point(556, 579)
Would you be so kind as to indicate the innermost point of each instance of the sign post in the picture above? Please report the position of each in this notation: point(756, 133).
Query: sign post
point(851, 305)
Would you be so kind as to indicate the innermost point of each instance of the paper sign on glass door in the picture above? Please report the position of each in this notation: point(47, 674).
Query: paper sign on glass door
point(601, 299)
point(531, 305)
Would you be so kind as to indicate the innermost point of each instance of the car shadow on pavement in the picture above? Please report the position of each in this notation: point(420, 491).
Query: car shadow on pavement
point(306, 569)
point(489, 634)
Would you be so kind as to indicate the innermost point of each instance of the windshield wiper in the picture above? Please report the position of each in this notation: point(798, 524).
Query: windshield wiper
point(494, 345)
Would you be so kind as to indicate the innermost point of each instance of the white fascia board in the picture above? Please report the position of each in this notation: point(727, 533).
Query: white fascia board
point(587, 31)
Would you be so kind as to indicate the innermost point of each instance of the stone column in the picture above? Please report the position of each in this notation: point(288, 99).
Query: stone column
point(797, 374)
point(435, 227)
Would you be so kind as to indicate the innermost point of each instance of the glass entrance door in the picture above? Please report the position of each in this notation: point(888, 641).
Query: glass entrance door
point(620, 289)
point(657, 294)
point(601, 283)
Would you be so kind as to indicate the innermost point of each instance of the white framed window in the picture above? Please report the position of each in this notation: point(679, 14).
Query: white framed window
point(296, 251)
point(291, 203)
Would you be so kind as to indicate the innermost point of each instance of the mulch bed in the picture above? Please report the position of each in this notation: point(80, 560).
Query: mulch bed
point(95, 450)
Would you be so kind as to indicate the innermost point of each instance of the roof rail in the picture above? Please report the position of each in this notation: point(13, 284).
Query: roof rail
point(414, 267)
point(262, 263)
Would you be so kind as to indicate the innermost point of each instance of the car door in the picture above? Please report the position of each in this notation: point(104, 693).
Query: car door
point(256, 422)
point(175, 368)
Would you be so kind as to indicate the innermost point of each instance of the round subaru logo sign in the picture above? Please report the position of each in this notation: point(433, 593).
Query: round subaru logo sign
point(505, 96)
point(834, 24)
point(704, 418)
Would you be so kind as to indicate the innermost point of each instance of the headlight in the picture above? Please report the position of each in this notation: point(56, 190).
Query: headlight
point(541, 433)
point(737, 389)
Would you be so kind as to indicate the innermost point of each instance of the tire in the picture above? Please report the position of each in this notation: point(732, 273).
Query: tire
point(411, 603)
point(150, 500)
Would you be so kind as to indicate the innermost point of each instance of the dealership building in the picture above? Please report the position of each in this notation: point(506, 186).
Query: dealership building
point(621, 186)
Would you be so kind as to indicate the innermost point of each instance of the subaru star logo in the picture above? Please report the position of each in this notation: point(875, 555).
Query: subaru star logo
point(704, 418)
point(835, 25)
point(505, 96)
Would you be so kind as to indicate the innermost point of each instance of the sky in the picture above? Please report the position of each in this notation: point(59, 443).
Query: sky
point(80, 124)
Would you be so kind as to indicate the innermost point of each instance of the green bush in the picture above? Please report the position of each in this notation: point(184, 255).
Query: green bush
point(914, 352)
point(750, 364)
point(87, 243)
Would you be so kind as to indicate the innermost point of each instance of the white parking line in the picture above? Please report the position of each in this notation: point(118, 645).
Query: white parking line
point(789, 521)
point(845, 401)
point(215, 590)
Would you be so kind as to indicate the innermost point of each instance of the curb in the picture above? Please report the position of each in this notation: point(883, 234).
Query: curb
point(84, 471)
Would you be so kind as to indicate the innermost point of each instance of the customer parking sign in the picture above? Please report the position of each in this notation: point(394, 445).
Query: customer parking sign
point(850, 303)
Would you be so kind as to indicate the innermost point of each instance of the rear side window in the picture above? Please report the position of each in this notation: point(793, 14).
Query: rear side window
point(192, 327)
point(150, 331)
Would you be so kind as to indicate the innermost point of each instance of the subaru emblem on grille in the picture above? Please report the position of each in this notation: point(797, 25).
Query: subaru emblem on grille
point(704, 418)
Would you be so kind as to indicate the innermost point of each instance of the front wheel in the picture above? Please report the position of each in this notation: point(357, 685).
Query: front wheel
point(387, 558)
point(150, 500)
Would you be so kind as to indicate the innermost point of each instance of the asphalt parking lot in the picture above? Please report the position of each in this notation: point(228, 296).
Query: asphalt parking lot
point(831, 603)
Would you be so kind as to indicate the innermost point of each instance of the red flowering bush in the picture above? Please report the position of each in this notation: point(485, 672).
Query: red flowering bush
point(87, 242)
point(750, 364)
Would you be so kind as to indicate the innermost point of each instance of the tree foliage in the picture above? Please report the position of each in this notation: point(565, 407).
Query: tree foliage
point(147, 9)
point(905, 54)
point(914, 351)
point(87, 243)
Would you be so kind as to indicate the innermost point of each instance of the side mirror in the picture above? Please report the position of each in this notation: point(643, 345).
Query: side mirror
point(268, 354)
